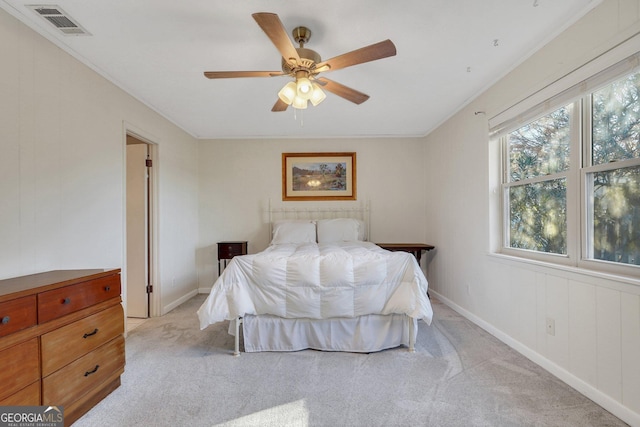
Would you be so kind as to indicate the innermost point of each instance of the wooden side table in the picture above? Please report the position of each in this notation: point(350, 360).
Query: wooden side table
point(227, 250)
point(414, 248)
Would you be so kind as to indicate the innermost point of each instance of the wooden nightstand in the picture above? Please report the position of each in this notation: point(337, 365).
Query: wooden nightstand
point(227, 250)
point(414, 248)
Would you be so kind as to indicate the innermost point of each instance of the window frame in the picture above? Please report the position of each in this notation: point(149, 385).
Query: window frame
point(586, 261)
point(572, 196)
point(579, 189)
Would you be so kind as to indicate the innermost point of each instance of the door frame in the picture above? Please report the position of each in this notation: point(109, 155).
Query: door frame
point(154, 272)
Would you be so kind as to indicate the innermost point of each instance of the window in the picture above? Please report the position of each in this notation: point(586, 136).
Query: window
point(613, 173)
point(571, 178)
point(538, 162)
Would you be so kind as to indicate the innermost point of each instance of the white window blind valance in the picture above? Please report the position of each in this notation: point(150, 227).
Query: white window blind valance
point(622, 59)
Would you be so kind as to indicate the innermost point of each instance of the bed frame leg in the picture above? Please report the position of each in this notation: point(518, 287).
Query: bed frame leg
point(236, 351)
point(412, 340)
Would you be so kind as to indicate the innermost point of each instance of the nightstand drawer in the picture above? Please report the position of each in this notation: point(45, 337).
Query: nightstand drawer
point(60, 302)
point(227, 250)
point(17, 314)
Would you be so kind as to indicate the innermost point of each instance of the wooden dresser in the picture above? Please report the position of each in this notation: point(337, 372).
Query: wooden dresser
point(61, 339)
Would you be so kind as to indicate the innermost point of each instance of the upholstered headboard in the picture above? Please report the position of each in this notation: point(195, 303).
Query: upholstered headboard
point(359, 211)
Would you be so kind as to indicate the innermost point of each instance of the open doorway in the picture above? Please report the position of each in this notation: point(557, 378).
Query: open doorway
point(139, 229)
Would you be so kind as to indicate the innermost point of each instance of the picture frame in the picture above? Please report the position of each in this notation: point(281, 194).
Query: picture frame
point(319, 176)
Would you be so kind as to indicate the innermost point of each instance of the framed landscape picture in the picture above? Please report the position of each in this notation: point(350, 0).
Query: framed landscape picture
point(318, 176)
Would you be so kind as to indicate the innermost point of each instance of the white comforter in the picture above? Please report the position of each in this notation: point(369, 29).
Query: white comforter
point(319, 281)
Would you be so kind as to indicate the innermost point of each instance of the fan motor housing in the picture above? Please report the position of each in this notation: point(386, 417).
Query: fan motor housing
point(309, 59)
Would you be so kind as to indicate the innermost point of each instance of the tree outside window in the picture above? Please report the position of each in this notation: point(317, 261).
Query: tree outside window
point(537, 191)
point(615, 211)
point(536, 179)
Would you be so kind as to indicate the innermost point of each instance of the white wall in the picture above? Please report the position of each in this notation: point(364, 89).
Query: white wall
point(62, 201)
point(238, 177)
point(62, 142)
point(596, 347)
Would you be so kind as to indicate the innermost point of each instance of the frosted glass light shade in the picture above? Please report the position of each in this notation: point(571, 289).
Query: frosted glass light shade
point(299, 103)
point(288, 93)
point(317, 96)
point(304, 88)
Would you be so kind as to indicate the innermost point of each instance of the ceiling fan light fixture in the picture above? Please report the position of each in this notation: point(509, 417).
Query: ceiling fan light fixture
point(304, 87)
point(299, 103)
point(303, 65)
point(317, 95)
point(303, 84)
point(288, 93)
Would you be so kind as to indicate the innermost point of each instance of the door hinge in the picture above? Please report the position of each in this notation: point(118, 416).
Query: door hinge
point(149, 289)
point(148, 163)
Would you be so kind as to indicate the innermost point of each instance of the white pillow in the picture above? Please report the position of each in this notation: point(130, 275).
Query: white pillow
point(293, 231)
point(340, 230)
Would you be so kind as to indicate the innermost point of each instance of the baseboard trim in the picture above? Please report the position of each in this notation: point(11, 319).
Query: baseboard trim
point(204, 290)
point(179, 301)
point(602, 399)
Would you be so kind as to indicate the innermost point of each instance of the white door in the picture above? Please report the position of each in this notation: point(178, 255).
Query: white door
point(137, 229)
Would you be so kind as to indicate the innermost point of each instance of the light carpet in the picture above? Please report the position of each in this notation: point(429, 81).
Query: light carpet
point(177, 375)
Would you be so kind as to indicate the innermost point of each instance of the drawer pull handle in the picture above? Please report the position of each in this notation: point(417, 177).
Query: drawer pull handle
point(66, 300)
point(86, 374)
point(107, 288)
point(5, 320)
point(95, 331)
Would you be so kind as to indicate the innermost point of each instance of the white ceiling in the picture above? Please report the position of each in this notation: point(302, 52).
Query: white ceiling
point(448, 52)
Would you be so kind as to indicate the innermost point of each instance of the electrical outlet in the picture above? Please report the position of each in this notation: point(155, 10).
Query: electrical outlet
point(551, 326)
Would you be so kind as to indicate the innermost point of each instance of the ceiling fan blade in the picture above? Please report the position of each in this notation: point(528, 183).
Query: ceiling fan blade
point(233, 74)
point(272, 26)
point(280, 105)
point(369, 53)
point(343, 91)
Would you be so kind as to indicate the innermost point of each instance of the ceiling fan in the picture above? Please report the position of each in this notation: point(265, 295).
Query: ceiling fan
point(304, 65)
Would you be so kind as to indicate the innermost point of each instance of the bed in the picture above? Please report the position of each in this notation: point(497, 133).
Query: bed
point(320, 285)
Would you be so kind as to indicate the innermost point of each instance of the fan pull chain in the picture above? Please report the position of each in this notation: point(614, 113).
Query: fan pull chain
point(295, 116)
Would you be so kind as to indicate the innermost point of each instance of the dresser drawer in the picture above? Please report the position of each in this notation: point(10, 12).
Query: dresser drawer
point(79, 338)
point(81, 377)
point(20, 367)
point(17, 314)
point(60, 302)
point(28, 396)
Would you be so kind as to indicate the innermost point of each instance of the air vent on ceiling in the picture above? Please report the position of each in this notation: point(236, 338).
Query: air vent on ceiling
point(59, 19)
